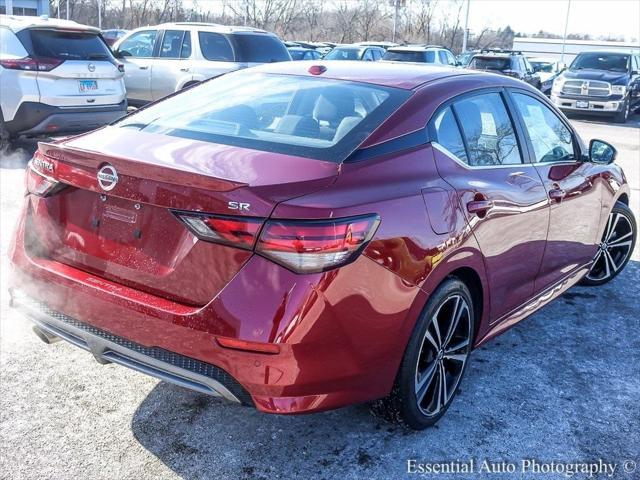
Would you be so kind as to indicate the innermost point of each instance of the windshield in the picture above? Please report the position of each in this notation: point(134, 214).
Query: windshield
point(308, 117)
point(343, 54)
point(259, 48)
point(68, 45)
point(490, 63)
point(601, 61)
point(408, 56)
point(546, 67)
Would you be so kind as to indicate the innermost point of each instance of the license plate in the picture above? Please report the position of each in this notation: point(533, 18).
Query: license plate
point(87, 85)
point(582, 104)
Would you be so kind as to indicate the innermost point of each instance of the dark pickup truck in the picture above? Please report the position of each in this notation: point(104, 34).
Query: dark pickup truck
point(600, 83)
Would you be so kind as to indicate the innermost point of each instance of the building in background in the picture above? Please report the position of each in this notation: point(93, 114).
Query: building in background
point(552, 47)
point(24, 7)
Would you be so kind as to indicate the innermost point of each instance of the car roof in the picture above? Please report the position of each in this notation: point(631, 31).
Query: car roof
point(211, 27)
point(18, 23)
point(400, 75)
point(610, 52)
point(410, 48)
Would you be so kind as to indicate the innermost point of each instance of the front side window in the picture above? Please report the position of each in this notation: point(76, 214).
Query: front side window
point(368, 56)
point(448, 134)
point(215, 47)
point(488, 131)
point(139, 44)
point(550, 137)
point(171, 44)
point(302, 116)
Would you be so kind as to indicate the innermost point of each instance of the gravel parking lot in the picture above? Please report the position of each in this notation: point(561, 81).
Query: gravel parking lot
point(562, 386)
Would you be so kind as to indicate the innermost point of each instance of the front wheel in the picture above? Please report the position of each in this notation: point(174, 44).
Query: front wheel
point(434, 361)
point(615, 248)
point(623, 114)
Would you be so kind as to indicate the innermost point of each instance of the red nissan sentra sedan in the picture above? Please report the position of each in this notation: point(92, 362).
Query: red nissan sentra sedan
point(299, 237)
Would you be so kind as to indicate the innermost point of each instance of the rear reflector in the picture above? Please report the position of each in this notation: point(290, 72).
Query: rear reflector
point(308, 246)
point(303, 246)
point(238, 232)
point(244, 345)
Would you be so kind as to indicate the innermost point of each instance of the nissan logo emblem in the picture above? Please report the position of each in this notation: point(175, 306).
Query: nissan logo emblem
point(91, 67)
point(107, 177)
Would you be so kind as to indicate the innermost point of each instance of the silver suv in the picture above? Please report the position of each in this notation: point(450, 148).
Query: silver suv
point(166, 58)
point(433, 54)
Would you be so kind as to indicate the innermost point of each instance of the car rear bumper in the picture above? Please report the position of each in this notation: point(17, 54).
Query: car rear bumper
point(335, 346)
point(38, 118)
point(597, 107)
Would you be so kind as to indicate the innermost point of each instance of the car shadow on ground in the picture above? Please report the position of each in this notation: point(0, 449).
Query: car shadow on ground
point(557, 386)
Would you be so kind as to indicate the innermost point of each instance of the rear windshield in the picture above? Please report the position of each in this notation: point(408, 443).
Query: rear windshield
point(307, 117)
point(601, 61)
point(259, 48)
point(428, 56)
point(67, 45)
point(343, 54)
point(490, 63)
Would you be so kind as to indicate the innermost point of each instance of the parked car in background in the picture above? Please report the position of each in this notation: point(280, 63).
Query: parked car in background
point(56, 76)
point(170, 57)
point(600, 83)
point(433, 54)
point(505, 62)
point(111, 36)
point(355, 52)
point(547, 69)
point(296, 240)
point(381, 44)
point(300, 53)
point(464, 58)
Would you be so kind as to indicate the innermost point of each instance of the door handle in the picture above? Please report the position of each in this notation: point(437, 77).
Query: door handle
point(557, 194)
point(185, 69)
point(144, 67)
point(479, 207)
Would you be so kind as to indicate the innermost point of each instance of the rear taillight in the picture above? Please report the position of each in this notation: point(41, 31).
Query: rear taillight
point(308, 246)
point(235, 231)
point(40, 64)
point(303, 246)
point(39, 184)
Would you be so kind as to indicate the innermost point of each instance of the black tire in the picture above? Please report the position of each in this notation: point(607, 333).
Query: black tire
point(623, 115)
point(5, 137)
point(615, 248)
point(402, 405)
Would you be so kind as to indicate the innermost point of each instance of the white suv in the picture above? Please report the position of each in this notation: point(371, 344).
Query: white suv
point(166, 58)
point(56, 77)
point(432, 54)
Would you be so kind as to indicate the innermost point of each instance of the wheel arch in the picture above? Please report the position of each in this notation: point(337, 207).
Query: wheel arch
point(473, 282)
point(623, 198)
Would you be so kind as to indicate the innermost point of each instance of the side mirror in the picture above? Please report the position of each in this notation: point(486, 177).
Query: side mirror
point(601, 152)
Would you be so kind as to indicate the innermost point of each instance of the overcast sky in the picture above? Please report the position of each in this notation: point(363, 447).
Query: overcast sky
point(597, 17)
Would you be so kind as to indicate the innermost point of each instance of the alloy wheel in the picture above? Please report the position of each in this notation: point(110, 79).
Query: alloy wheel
point(614, 248)
point(443, 354)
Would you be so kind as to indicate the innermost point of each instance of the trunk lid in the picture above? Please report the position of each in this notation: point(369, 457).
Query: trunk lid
point(127, 233)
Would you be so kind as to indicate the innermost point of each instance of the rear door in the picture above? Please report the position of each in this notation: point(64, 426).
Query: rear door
point(478, 153)
point(137, 52)
point(571, 187)
point(78, 68)
point(172, 69)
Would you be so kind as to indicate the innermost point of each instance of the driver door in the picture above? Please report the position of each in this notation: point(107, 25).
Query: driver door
point(570, 185)
point(136, 52)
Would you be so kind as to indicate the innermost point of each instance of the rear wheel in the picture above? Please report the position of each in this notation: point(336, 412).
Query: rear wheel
point(434, 361)
point(5, 137)
point(615, 248)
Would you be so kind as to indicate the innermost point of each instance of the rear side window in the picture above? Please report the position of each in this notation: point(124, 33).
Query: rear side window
point(448, 134)
point(259, 48)
point(10, 46)
point(488, 131)
point(67, 45)
point(171, 44)
point(215, 47)
point(302, 116)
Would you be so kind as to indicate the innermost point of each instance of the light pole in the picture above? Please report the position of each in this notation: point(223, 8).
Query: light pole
point(465, 36)
point(395, 20)
point(67, 9)
point(566, 25)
